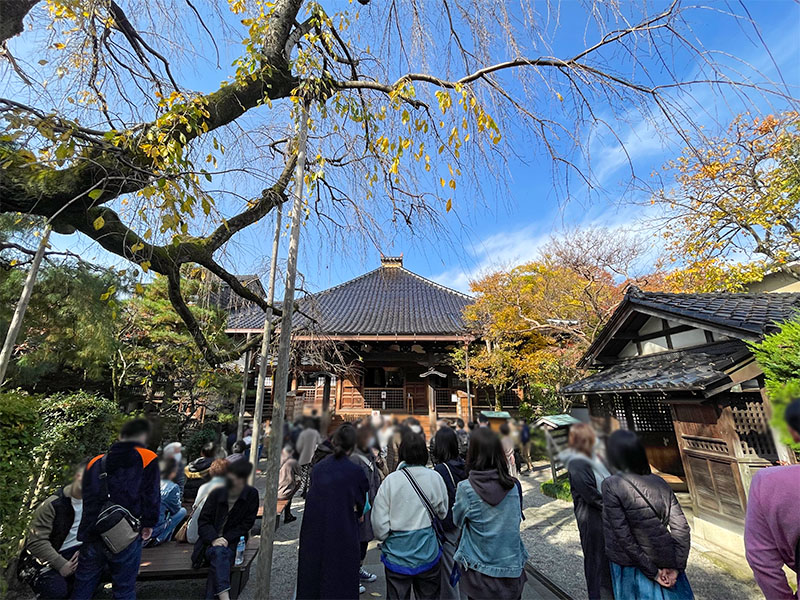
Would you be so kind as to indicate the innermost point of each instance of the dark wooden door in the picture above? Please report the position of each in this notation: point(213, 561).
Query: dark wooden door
point(418, 403)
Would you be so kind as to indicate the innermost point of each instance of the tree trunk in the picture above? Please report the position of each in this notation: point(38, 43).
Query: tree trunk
point(281, 378)
point(22, 305)
point(266, 341)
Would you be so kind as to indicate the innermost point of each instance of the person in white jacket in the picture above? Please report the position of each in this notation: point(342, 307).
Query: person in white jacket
point(410, 550)
point(217, 472)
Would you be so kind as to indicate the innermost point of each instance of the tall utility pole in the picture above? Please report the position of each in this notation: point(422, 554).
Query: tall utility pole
point(22, 306)
point(281, 378)
point(266, 342)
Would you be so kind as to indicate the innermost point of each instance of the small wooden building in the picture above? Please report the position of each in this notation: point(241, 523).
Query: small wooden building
point(386, 336)
point(676, 369)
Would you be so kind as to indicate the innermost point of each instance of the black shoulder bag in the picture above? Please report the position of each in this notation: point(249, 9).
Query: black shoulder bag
point(115, 525)
point(436, 522)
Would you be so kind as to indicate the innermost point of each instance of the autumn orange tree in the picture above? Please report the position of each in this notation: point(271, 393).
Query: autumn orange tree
point(734, 211)
point(104, 137)
point(536, 319)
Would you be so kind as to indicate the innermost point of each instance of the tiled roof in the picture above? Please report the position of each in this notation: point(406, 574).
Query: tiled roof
point(696, 369)
point(754, 313)
point(387, 301)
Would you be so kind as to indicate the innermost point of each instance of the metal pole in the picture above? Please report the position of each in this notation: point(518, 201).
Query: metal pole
point(22, 305)
point(243, 399)
point(281, 378)
point(266, 341)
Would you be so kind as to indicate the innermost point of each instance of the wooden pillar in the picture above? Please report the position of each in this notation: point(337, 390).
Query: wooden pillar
point(339, 392)
point(326, 406)
point(243, 399)
point(431, 404)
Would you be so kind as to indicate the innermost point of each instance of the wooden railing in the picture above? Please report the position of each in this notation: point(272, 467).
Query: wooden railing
point(309, 394)
point(384, 398)
point(444, 400)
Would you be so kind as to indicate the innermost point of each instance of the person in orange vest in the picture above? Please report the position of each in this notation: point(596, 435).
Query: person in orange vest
point(132, 480)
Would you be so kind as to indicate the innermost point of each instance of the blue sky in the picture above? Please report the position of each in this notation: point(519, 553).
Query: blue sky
point(509, 225)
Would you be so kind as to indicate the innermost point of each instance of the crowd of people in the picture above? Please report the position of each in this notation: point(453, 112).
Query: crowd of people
point(635, 537)
point(446, 513)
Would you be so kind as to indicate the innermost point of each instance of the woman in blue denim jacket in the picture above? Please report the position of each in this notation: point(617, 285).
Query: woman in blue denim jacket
point(488, 509)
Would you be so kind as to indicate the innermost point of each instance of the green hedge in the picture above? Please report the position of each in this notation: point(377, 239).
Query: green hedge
point(21, 426)
point(560, 489)
point(43, 439)
point(778, 355)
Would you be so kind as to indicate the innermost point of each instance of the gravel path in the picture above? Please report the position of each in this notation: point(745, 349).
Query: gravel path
point(549, 532)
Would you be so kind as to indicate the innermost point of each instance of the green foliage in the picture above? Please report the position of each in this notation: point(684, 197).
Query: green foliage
point(77, 426)
point(21, 427)
point(199, 438)
point(68, 327)
point(43, 439)
point(779, 357)
point(560, 489)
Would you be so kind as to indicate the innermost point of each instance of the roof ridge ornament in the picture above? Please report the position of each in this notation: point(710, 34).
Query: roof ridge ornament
point(392, 261)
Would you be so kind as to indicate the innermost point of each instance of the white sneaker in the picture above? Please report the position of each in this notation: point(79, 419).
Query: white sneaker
point(361, 589)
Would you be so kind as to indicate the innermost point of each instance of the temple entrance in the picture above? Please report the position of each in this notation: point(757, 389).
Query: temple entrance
point(417, 396)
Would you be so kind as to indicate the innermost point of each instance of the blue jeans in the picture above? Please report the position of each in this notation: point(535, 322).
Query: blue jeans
point(163, 531)
point(51, 585)
point(220, 560)
point(96, 558)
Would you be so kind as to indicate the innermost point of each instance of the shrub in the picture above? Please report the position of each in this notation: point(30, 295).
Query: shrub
point(21, 427)
point(208, 432)
point(560, 489)
point(43, 438)
point(77, 426)
point(778, 355)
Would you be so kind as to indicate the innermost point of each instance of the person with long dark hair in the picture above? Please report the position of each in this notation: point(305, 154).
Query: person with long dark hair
point(586, 475)
point(488, 509)
point(646, 533)
point(409, 504)
point(448, 463)
point(328, 559)
point(365, 457)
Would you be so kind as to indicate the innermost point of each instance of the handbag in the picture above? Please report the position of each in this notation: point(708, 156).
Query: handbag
point(436, 522)
point(115, 525)
point(182, 533)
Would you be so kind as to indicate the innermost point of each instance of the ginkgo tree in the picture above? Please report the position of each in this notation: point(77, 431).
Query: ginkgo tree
point(734, 211)
point(410, 102)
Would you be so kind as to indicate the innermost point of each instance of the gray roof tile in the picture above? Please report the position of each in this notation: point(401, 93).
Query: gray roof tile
point(691, 369)
point(389, 300)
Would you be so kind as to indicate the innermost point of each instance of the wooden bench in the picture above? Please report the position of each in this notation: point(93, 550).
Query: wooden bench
point(173, 561)
point(278, 510)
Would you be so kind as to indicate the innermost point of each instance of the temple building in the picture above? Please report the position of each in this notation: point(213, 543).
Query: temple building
point(676, 369)
point(380, 342)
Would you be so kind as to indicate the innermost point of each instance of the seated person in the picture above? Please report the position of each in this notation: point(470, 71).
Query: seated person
point(239, 451)
point(172, 513)
point(217, 472)
point(228, 515)
point(197, 472)
point(50, 556)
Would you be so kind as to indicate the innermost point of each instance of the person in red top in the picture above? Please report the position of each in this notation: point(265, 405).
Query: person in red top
point(133, 480)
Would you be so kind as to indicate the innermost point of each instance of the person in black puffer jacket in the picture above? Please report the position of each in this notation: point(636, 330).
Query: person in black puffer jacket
point(646, 533)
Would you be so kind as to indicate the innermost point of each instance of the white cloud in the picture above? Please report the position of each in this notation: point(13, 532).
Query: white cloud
point(495, 252)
